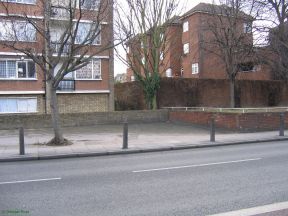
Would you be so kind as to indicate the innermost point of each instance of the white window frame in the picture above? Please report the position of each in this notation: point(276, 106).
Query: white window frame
point(12, 37)
point(99, 35)
point(143, 60)
point(195, 68)
point(186, 26)
point(169, 73)
point(75, 72)
point(92, 9)
point(17, 104)
point(16, 77)
point(161, 57)
point(186, 48)
point(19, 2)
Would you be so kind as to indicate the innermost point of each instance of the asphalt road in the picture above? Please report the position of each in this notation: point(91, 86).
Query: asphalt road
point(189, 182)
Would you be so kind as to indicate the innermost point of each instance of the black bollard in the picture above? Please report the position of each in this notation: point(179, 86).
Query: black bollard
point(21, 141)
point(212, 130)
point(125, 135)
point(282, 124)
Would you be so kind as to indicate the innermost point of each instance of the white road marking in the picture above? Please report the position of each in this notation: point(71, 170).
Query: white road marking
point(256, 210)
point(33, 180)
point(197, 165)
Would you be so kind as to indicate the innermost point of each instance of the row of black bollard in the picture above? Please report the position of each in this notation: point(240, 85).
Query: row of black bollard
point(281, 127)
point(125, 133)
point(282, 124)
point(21, 141)
point(212, 130)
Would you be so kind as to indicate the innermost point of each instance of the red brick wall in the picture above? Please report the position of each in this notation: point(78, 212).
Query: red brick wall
point(210, 93)
point(191, 37)
point(234, 121)
point(24, 85)
point(96, 84)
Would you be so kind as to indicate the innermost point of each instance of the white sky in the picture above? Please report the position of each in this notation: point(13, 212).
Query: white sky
point(119, 67)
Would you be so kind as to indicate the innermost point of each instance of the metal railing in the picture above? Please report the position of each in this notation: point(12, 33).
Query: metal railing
point(66, 85)
point(229, 110)
point(59, 12)
point(57, 46)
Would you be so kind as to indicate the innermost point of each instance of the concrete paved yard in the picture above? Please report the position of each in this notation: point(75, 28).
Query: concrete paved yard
point(103, 138)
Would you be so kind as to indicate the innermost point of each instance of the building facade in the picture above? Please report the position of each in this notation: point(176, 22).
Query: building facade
point(22, 81)
point(190, 57)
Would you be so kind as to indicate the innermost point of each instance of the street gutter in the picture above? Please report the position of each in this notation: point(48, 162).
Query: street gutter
point(136, 151)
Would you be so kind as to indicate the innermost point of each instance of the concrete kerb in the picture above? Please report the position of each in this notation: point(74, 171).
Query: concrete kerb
point(137, 151)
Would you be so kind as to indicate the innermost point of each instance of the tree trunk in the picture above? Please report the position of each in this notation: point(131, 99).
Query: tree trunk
point(52, 100)
point(232, 93)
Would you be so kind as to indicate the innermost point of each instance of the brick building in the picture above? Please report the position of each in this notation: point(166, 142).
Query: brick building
point(189, 57)
point(22, 82)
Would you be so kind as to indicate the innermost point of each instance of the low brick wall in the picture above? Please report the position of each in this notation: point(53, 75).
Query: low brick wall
point(235, 121)
point(81, 119)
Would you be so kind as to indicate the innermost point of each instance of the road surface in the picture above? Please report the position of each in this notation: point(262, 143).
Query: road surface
point(187, 182)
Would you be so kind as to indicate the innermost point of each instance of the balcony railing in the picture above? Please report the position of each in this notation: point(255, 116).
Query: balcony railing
point(57, 46)
point(59, 13)
point(66, 85)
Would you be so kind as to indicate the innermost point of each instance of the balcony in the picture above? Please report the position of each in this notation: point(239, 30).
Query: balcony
point(66, 85)
point(55, 46)
point(60, 13)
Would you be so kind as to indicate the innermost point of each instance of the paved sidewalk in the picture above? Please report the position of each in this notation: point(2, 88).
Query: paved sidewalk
point(107, 139)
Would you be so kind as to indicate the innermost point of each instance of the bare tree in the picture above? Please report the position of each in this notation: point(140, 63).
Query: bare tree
point(229, 36)
point(62, 46)
point(275, 26)
point(146, 29)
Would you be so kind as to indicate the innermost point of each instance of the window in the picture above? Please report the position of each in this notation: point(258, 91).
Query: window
point(182, 72)
point(186, 26)
point(18, 105)
point(89, 4)
point(10, 69)
point(88, 33)
point(195, 68)
point(247, 27)
point(186, 48)
point(17, 31)
point(21, 1)
point(247, 67)
point(169, 72)
point(91, 71)
point(132, 78)
point(162, 37)
point(161, 56)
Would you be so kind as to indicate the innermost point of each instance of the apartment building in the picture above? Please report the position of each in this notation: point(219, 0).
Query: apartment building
point(196, 61)
point(22, 81)
point(169, 54)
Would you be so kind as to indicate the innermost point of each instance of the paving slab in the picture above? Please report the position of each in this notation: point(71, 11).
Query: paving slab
point(107, 139)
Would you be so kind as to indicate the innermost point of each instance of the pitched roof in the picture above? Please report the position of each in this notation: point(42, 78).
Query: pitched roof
point(212, 9)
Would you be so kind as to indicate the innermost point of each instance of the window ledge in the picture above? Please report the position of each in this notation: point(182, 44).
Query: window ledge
point(22, 3)
point(18, 79)
point(88, 79)
point(19, 41)
point(6, 113)
point(76, 43)
point(250, 71)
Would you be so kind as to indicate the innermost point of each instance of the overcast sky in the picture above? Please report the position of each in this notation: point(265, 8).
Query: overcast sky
point(186, 5)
